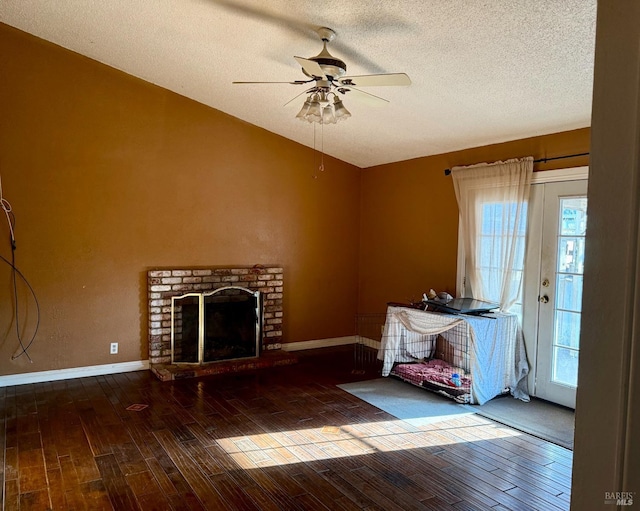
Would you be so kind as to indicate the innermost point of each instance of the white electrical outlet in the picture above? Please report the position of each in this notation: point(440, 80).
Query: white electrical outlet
point(114, 348)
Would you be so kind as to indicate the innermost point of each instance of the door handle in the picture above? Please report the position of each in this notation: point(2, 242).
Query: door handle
point(543, 299)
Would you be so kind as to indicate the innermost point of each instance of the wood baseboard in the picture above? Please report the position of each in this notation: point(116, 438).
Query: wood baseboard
point(73, 372)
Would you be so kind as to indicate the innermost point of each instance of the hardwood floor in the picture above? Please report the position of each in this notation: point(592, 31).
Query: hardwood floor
point(279, 439)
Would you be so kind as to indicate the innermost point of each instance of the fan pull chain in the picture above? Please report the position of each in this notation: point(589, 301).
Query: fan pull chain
point(315, 174)
point(321, 166)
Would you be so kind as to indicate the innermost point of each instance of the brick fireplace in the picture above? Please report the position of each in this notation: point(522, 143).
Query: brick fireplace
point(163, 284)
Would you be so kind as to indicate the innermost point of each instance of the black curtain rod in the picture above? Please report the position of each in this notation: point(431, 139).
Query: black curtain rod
point(541, 160)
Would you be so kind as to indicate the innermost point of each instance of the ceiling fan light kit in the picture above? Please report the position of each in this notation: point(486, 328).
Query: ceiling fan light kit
point(328, 73)
point(318, 108)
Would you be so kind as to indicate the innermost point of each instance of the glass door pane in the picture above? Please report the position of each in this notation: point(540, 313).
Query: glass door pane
point(572, 227)
point(185, 329)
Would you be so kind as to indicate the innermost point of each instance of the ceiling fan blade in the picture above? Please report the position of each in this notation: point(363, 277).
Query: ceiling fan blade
point(311, 67)
point(297, 82)
point(376, 80)
point(372, 99)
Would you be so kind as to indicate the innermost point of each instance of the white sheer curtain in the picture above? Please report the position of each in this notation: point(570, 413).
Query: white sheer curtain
point(492, 199)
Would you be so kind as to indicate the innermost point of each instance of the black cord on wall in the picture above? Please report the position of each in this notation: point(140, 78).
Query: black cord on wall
point(15, 274)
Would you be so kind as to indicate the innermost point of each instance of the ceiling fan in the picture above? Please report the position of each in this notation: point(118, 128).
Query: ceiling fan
point(329, 74)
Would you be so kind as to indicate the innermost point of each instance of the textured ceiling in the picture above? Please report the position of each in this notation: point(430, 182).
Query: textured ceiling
point(482, 71)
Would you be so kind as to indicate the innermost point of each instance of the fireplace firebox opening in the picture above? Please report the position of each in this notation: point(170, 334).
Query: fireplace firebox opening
point(224, 324)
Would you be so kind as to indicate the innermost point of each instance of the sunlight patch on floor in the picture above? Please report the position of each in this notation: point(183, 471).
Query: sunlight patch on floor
point(332, 442)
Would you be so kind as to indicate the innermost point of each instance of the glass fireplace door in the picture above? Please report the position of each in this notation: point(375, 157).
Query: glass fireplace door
point(185, 329)
point(224, 324)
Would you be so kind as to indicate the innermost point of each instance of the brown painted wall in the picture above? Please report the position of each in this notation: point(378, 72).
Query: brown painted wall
point(109, 176)
point(409, 217)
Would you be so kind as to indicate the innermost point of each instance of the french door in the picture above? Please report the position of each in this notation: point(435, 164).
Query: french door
point(552, 300)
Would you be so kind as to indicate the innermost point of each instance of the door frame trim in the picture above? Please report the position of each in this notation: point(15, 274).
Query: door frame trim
point(553, 176)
